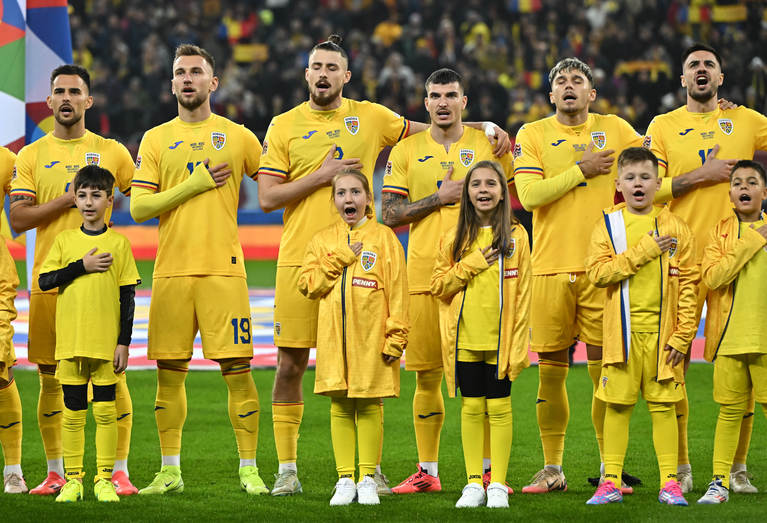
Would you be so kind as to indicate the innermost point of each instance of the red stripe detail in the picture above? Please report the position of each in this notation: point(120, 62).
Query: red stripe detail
point(234, 373)
point(287, 404)
point(36, 4)
point(553, 363)
point(394, 191)
point(174, 369)
point(523, 171)
point(141, 185)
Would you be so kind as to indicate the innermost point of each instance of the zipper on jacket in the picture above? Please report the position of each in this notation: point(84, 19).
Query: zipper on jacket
point(732, 303)
point(660, 309)
point(343, 302)
point(500, 311)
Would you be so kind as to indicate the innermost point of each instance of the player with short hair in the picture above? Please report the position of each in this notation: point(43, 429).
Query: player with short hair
point(94, 269)
point(736, 258)
point(643, 256)
point(697, 145)
point(303, 149)
point(422, 187)
point(188, 173)
point(564, 173)
point(41, 198)
point(10, 402)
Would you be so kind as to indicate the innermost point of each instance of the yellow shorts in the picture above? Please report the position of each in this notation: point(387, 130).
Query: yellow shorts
point(424, 345)
point(41, 344)
point(565, 307)
point(5, 369)
point(295, 315)
point(79, 371)
point(735, 375)
point(622, 383)
point(217, 306)
point(476, 356)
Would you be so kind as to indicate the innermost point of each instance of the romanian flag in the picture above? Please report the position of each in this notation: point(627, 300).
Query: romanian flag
point(34, 39)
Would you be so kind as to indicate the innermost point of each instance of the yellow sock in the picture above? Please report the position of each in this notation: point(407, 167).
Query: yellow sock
point(380, 447)
point(682, 413)
point(343, 435)
point(428, 413)
point(472, 432)
point(617, 419)
point(552, 409)
point(50, 406)
point(597, 406)
point(664, 425)
point(73, 440)
point(124, 407)
point(105, 415)
point(170, 404)
point(728, 426)
point(747, 425)
point(486, 450)
point(244, 408)
point(369, 434)
point(286, 419)
point(499, 415)
point(10, 423)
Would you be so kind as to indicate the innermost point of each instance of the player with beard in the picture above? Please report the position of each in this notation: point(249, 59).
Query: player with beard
point(697, 145)
point(41, 198)
point(303, 149)
point(564, 171)
point(188, 174)
point(422, 187)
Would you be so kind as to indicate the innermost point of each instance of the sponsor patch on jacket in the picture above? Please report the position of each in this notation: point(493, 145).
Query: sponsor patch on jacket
point(368, 260)
point(510, 273)
point(672, 249)
point(673, 271)
point(364, 282)
point(512, 248)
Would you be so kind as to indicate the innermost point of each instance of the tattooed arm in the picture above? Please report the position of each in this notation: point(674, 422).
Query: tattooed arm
point(398, 211)
point(25, 214)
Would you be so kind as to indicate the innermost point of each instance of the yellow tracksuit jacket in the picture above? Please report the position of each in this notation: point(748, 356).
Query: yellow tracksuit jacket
point(363, 309)
point(725, 254)
point(606, 267)
point(448, 282)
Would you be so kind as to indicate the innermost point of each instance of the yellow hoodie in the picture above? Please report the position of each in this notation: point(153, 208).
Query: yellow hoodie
point(611, 265)
point(448, 282)
point(363, 308)
point(725, 254)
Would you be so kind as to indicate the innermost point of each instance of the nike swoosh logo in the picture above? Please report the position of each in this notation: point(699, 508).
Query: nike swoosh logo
point(308, 135)
point(557, 142)
point(685, 131)
point(158, 408)
point(175, 145)
point(425, 158)
point(123, 416)
point(169, 484)
point(9, 425)
point(54, 162)
point(539, 400)
point(748, 415)
point(429, 415)
point(53, 413)
point(248, 414)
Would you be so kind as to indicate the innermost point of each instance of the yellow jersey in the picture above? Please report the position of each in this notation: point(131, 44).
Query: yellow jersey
point(46, 167)
point(682, 140)
point(415, 169)
point(88, 308)
point(297, 143)
point(746, 330)
point(547, 149)
point(198, 237)
point(478, 326)
point(645, 283)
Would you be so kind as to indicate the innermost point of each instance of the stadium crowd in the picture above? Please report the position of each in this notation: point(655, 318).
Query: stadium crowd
point(503, 50)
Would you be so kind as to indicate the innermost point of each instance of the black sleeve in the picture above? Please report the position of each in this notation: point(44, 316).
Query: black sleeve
point(60, 277)
point(127, 306)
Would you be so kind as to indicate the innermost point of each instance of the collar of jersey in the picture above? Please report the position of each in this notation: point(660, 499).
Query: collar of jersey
point(93, 233)
point(324, 115)
point(575, 129)
point(71, 141)
point(195, 124)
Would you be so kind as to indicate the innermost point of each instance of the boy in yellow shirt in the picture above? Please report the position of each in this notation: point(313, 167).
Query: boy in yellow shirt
point(733, 268)
point(636, 250)
point(94, 269)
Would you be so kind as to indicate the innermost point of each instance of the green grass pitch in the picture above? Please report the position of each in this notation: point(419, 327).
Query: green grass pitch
point(209, 461)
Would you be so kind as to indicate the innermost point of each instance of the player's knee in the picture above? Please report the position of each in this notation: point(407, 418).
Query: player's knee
point(75, 396)
point(103, 393)
point(653, 406)
point(291, 368)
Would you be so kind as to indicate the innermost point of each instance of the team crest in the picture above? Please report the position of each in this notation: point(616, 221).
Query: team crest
point(672, 249)
point(92, 158)
point(352, 124)
point(467, 157)
point(512, 248)
point(368, 260)
point(604, 382)
point(277, 328)
point(725, 124)
point(599, 139)
point(218, 140)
